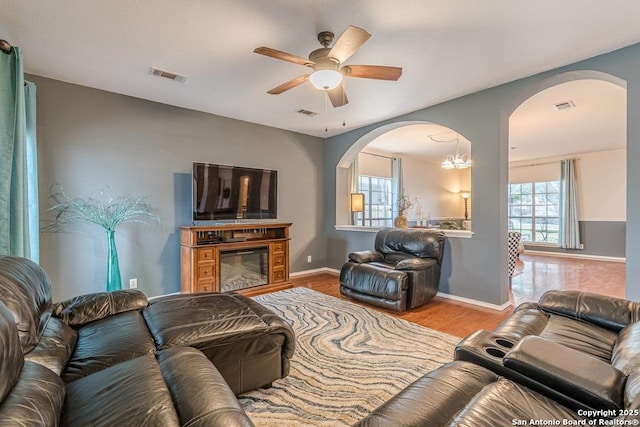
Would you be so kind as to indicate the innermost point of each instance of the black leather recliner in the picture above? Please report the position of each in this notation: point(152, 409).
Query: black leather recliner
point(402, 272)
point(573, 358)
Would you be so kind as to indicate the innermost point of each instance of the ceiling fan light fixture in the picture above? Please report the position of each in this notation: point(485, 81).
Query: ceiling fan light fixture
point(325, 79)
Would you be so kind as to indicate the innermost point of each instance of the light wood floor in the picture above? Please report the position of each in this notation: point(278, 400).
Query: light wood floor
point(540, 273)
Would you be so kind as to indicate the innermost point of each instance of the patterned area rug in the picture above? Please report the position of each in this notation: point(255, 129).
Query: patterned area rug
point(348, 360)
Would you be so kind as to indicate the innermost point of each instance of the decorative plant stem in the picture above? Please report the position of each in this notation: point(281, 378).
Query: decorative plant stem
point(404, 204)
point(105, 211)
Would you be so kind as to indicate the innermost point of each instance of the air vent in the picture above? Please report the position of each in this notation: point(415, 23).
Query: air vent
point(167, 75)
point(567, 105)
point(307, 112)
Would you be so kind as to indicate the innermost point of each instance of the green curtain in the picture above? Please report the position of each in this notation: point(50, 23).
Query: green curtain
point(569, 235)
point(19, 235)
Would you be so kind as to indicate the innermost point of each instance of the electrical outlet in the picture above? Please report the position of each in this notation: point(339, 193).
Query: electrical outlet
point(309, 258)
point(133, 283)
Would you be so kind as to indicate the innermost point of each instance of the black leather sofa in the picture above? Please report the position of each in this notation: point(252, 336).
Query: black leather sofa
point(402, 272)
point(116, 359)
point(571, 359)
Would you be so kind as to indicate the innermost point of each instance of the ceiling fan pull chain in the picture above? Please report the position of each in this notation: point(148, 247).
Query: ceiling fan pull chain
point(326, 111)
point(344, 97)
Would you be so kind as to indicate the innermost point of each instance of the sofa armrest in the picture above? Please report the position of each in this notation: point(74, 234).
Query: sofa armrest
point(277, 325)
point(36, 399)
point(365, 256)
point(527, 319)
point(187, 370)
point(91, 307)
point(608, 312)
point(434, 399)
point(575, 374)
point(55, 346)
point(414, 264)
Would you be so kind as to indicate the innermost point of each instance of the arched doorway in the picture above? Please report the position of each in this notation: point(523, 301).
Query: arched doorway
point(422, 147)
point(581, 116)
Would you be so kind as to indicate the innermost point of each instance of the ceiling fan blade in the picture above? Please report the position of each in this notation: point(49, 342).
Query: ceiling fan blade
point(289, 85)
point(348, 43)
point(278, 54)
point(337, 96)
point(378, 72)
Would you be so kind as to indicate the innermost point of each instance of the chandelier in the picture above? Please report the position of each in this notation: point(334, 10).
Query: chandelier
point(456, 161)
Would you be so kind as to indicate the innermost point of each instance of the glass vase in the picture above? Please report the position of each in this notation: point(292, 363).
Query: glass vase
point(114, 281)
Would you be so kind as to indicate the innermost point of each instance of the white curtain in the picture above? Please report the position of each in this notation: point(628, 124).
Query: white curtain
point(354, 173)
point(569, 237)
point(398, 185)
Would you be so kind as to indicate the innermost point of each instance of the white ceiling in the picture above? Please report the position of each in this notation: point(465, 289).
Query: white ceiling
point(429, 141)
point(596, 123)
point(446, 49)
point(537, 130)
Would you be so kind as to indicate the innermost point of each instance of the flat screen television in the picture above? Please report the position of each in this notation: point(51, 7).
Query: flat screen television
point(222, 192)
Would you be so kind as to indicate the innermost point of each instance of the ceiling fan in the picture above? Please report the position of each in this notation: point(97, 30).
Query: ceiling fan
point(326, 63)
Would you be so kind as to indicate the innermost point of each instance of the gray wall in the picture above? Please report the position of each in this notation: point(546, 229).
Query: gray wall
point(600, 238)
point(479, 269)
point(89, 138)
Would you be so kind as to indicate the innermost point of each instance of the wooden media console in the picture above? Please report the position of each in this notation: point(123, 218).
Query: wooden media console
point(247, 258)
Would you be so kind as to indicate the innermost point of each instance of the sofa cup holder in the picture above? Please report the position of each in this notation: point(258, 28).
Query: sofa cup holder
point(504, 343)
point(495, 352)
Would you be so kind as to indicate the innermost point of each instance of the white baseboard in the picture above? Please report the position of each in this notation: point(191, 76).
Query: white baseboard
point(440, 294)
point(475, 302)
point(577, 256)
point(315, 271)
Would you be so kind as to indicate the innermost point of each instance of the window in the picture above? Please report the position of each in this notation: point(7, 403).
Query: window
point(534, 211)
point(378, 199)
